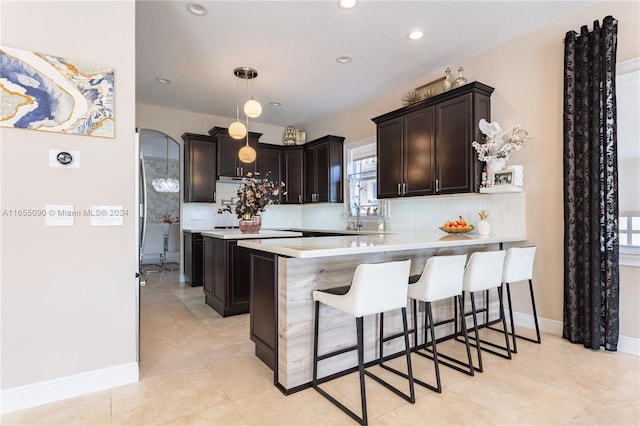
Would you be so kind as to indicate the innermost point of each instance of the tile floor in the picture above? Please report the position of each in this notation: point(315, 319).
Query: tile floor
point(199, 369)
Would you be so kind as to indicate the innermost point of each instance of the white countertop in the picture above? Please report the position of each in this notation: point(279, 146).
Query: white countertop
point(357, 244)
point(235, 234)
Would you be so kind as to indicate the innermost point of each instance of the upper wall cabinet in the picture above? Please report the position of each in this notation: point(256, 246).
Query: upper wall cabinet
point(199, 168)
point(425, 148)
point(323, 165)
point(291, 174)
point(229, 165)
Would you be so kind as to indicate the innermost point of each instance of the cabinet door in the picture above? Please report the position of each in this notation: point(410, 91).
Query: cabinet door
point(228, 162)
point(199, 169)
point(197, 260)
point(419, 153)
point(268, 162)
point(322, 167)
point(389, 151)
point(292, 176)
point(240, 279)
point(228, 156)
point(454, 136)
point(209, 268)
point(219, 262)
point(309, 175)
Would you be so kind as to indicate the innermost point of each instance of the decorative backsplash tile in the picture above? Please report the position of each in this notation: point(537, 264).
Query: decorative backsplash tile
point(161, 203)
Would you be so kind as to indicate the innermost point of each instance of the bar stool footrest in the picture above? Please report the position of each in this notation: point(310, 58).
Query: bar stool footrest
point(468, 371)
point(389, 386)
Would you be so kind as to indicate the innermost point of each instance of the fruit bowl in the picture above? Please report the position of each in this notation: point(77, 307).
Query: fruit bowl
point(460, 230)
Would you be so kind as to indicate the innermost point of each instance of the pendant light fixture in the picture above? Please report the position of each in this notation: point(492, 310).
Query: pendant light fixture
point(166, 184)
point(237, 129)
point(252, 108)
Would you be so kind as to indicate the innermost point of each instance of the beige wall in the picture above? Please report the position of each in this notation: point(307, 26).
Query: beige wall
point(69, 293)
point(527, 74)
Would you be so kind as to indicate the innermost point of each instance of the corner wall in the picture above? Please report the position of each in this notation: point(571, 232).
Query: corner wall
point(69, 304)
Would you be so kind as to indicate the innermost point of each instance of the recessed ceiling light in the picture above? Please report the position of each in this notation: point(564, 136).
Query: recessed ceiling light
point(344, 59)
point(415, 35)
point(198, 9)
point(163, 80)
point(275, 103)
point(346, 4)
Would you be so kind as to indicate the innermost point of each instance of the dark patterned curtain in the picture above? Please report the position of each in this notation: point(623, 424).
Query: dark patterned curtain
point(591, 276)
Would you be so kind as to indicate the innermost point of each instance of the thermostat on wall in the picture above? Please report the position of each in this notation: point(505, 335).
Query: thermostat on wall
point(64, 158)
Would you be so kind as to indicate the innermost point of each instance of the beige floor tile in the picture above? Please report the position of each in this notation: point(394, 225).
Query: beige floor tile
point(223, 414)
point(240, 377)
point(161, 398)
point(308, 407)
point(162, 363)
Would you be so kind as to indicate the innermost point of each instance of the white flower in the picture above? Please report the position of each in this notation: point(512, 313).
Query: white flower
point(497, 142)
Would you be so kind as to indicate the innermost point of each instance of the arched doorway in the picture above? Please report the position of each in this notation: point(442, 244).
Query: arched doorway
point(160, 250)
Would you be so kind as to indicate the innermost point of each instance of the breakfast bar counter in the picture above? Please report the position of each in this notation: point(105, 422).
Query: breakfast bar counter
point(285, 271)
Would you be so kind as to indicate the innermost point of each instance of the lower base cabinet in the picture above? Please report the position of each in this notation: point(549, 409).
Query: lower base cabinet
point(226, 276)
point(193, 258)
point(264, 305)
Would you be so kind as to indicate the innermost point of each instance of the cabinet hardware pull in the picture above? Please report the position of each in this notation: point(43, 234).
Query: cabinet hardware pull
point(300, 199)
point(437, 185)
point(404, 188)
point(399, 189)
point(214, 197)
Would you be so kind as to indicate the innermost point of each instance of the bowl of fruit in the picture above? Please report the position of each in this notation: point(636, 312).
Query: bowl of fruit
point(459, 226)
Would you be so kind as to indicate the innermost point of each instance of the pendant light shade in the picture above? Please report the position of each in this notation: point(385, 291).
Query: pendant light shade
point(237, 130)
point(247, 154)
point(166, 184)
point(252, 108)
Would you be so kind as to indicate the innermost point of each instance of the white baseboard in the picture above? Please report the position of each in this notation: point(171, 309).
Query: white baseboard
point(628, 345)
point(23, 397)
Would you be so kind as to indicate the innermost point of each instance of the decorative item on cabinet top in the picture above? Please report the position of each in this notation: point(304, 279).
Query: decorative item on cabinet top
point(289, 136)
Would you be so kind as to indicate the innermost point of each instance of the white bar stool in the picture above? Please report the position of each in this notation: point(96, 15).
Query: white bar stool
point(518, 266)
point(484, 272)
point(375, 289)
point(441, 279)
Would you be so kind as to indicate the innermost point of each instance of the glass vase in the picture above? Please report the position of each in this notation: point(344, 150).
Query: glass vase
point(251, 226)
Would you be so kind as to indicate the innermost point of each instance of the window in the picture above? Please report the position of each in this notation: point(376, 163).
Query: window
point(628, 108)
point(629, 227)
point(362, 183)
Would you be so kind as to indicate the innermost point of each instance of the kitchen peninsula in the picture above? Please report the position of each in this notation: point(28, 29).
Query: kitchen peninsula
point(284, 272)
point(226, 280)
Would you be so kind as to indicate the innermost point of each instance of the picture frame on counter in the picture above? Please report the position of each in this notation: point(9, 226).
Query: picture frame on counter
point(503, 177)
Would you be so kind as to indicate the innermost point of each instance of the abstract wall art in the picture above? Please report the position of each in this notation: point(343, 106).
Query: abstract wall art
point(53, 94)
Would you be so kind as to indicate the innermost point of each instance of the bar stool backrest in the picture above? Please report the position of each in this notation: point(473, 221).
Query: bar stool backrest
point(483, 270)
point(379, 287)
point(518, 264)
point(441, 278)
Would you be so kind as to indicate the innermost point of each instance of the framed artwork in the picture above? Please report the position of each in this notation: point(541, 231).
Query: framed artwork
point(431, 89)
point(53, 94)
point(502, 178)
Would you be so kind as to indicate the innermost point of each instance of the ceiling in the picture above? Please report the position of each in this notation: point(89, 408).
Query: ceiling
point(294, 46)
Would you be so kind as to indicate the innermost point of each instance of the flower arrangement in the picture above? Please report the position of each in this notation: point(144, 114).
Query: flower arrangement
point(254, 195)
point(499, 143)
point(167, 218)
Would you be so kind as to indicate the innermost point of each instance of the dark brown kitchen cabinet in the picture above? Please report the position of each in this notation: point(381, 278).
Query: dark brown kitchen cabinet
point(199, 168)
point(323, 165)
point(193, 253)
point(226, 276)
point(268, 162)
point(228, 164)
point(264, 290)
point(425, 148)
point(291, 174)
point(406, 155)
